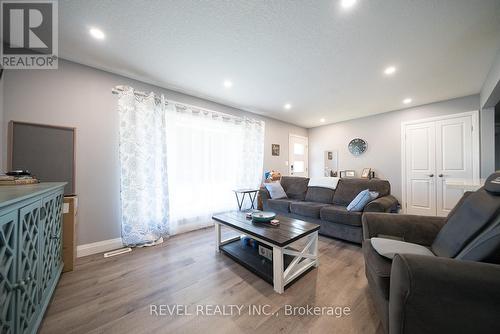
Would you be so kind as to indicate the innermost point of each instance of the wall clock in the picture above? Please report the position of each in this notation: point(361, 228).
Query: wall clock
point(357, 146)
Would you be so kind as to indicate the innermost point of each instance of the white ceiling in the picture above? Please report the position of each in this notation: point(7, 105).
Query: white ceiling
point(326, 61)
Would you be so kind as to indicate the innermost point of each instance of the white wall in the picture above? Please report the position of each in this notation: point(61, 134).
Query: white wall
point(383, 135)
point(490, 92)
point(80, 96)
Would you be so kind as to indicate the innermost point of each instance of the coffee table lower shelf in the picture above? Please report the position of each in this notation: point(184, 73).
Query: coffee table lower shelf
point(249, 258)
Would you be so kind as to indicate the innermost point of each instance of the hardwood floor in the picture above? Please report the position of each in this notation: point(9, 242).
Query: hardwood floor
point(114, 295)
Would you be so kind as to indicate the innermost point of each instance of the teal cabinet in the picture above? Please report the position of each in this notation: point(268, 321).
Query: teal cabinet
point(8, 270)
point(28, 273)
point(51, 245)
point(30, 253)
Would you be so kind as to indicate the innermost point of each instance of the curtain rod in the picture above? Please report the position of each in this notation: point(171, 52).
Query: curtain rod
point(120, 88)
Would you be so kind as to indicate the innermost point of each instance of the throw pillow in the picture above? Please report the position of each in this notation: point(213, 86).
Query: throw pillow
point(359, 202)
point(388, 248)
point(275, 189)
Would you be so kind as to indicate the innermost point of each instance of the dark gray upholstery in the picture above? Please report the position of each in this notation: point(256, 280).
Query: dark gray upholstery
point(280, 205)
point(439, 295)
point(486, 248)
point(306, 209)
point(315, 204)
point(387, 203)
point(445, 294)
point(345, 232)
point(339, 214)
point(420, 230)
point(348, 188)
point(319, 194)
point(466, 222)
point(378, 267)
point(295, 187)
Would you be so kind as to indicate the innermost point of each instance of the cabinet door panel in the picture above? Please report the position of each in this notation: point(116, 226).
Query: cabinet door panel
point(8, 257)
point(51, 227)
point(28, 296)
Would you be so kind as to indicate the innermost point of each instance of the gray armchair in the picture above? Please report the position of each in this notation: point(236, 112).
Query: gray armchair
point(441, 295)
point(456, 290)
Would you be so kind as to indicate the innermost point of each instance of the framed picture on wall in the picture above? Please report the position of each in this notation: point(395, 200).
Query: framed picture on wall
point(347, 173)
point(275, 150)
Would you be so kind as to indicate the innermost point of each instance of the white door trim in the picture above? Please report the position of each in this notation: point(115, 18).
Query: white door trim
point(306, 156)
point(475, 146)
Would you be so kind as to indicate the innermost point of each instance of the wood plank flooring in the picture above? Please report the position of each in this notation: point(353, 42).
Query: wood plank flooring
point(114, 295)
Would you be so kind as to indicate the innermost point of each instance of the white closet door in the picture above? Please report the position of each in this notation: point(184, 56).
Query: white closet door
point(454, 160)
point(421, 169)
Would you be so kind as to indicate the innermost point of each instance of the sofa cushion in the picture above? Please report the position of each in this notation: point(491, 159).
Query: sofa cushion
point(319, 195)
point(339, 214)
point(306, 209)
point(472, 216)
point(280, 205)
point(378, 268)
point(486, 248)
point(295, 187)
point(347, 189)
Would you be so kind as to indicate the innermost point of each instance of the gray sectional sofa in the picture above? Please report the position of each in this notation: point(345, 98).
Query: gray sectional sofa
point(328, 207)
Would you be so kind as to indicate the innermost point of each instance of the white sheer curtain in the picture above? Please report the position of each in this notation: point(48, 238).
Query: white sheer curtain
point(143, 169)
point(209, 155)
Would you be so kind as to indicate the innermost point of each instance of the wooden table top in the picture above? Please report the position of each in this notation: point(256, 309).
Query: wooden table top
point(288, 231)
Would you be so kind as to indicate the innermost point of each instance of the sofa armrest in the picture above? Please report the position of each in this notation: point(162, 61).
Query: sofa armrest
point(382, 204)
point(441, 295)
point(421, 230)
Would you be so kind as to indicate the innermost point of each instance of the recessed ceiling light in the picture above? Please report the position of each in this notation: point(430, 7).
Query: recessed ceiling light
point(407, 100)
point(322, 120)
point(287, 106)
point(97, 33)
point(228, 83)
point(347, 3)
point(390, 70)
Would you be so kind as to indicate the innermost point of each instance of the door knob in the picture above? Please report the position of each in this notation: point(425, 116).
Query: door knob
point(440, 175)
point(431, 175)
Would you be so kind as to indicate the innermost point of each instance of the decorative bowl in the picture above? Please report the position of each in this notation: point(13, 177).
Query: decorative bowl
point(263, 217)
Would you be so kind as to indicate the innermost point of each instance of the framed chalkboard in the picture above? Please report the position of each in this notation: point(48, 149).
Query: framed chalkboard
point(47, 151)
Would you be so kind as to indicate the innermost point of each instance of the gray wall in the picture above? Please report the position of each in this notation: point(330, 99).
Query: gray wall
point(490, 92)
point(80, 96)
point(2, 147)
point(383, 135)
point(497, 137)
point(487, 141)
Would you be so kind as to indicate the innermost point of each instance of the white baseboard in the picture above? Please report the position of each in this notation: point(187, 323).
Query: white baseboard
point(98, 247)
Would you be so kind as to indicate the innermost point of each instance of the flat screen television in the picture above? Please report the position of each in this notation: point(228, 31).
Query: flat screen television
point(47, 151)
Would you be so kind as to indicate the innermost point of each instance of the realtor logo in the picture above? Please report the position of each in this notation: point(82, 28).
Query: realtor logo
point(29, 34)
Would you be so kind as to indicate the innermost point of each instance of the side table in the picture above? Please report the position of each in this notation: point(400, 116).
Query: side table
point(252, 194)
